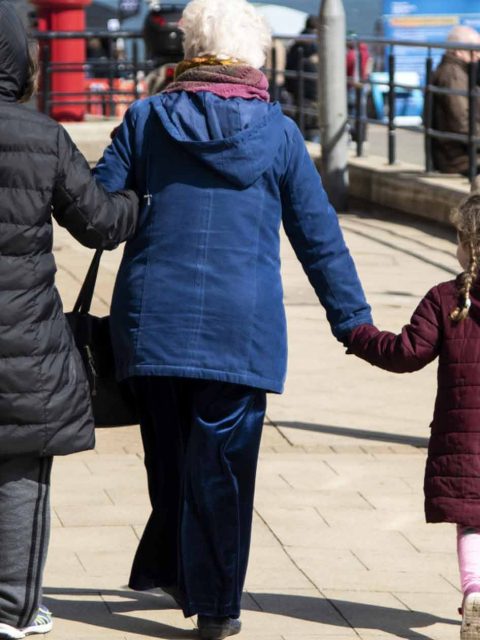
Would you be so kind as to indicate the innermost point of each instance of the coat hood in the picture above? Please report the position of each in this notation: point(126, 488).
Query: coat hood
point(13, 53)
point(237, 138)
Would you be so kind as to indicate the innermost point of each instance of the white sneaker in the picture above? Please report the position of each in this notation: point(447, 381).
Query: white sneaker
point(10, 633)
point(43, 623)
point(471, 617)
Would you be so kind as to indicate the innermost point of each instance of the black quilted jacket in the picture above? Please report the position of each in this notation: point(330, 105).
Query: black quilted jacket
point(44, 397)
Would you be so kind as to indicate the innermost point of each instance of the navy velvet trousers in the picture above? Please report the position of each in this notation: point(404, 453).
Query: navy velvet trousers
point(201, 441)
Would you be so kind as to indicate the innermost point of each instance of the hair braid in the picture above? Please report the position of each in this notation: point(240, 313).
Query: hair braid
point(468, 278)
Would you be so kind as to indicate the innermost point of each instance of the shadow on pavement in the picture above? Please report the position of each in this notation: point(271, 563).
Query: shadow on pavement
point(398, 622)
point(359, 434)
point(107, 612)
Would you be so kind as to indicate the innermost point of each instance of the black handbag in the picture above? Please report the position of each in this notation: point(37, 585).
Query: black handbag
point(113, 401)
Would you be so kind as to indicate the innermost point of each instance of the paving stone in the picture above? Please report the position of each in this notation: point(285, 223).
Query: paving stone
point(268, 566)
point(93, 539)
point(103, 515)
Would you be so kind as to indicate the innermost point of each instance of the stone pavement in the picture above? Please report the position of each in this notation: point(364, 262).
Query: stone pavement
point(340, 548)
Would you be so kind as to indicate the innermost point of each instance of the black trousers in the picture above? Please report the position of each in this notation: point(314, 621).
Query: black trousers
point(24, 536)
point(201, 441)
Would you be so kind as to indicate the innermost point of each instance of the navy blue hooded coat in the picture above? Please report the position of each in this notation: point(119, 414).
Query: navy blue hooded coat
point(199, 292)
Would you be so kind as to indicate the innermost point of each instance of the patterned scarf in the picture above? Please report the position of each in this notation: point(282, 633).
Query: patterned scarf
point(226, 78)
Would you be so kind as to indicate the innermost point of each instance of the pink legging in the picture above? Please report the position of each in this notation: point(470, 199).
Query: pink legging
point(468, 549)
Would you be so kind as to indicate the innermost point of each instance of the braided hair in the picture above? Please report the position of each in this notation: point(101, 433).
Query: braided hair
point(466, 219)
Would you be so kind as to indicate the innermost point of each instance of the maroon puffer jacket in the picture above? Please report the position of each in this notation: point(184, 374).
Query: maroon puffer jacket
point(452, 477)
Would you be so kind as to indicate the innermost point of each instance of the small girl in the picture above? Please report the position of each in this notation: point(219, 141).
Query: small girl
point(447, 324)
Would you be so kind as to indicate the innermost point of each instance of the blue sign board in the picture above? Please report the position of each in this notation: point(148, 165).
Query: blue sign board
point(425, 21)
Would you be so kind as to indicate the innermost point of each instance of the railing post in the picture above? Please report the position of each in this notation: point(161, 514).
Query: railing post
point(136, 93)
point(472, 121)
point(392, 151)
point(359, 119)
point(428, 114)
point(273, 74)
point(301, 90)
point(112, 65)
point(332, 101)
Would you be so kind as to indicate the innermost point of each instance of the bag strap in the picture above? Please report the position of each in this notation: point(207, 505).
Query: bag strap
point(84, 300)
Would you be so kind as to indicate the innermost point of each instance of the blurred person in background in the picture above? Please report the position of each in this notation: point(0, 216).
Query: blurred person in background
point(306, 55)
point(359, 65)
point(44, 394)
point(198, 319)
point(451, 112)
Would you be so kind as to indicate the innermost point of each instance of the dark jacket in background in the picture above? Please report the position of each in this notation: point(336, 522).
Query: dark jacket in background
point(44, 395)
point(452, 478)
point(450, 113)
point(308, 52)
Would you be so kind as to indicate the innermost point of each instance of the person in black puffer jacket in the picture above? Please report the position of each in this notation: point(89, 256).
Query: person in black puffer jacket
point(44, 395)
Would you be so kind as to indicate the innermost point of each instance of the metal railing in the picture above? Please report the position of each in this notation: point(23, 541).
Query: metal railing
point(109, 96)
point(359, 118)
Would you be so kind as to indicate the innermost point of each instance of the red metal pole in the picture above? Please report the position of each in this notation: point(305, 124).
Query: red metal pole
point(65, 15)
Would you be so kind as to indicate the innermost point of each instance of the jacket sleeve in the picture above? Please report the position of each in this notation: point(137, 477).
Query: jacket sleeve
point(96, 218)
point(116, 169)
point(412, 349)
point(313, 229)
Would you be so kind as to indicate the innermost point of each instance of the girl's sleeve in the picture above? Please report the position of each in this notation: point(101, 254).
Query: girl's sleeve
point(412, 349)
point(313, 229)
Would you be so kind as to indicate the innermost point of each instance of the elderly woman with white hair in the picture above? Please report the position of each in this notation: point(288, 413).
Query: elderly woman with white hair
point(198, 320)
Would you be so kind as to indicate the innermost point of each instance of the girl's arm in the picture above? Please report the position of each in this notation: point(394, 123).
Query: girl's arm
point(416, 346)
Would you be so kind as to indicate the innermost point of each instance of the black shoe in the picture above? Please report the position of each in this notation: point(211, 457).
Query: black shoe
point(211, 628)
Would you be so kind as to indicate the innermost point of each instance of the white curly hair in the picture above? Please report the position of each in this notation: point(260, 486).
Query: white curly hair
point(226, 29)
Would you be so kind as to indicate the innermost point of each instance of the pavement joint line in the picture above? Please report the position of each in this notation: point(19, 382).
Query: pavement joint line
point(322, 517)
point(86, 465)
point(286, 481)
point(135, 532)
point(109, 496)
point(404, 536)
point(372, 506)
point(404, 604)
point(455, 586)
point(359, 560)
point(256, 601)
point(107, 605)
point(271, 423)
point(415, 241)
point(327, 464)
point(412, 254)
point(59, 518)
point(80, 562)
